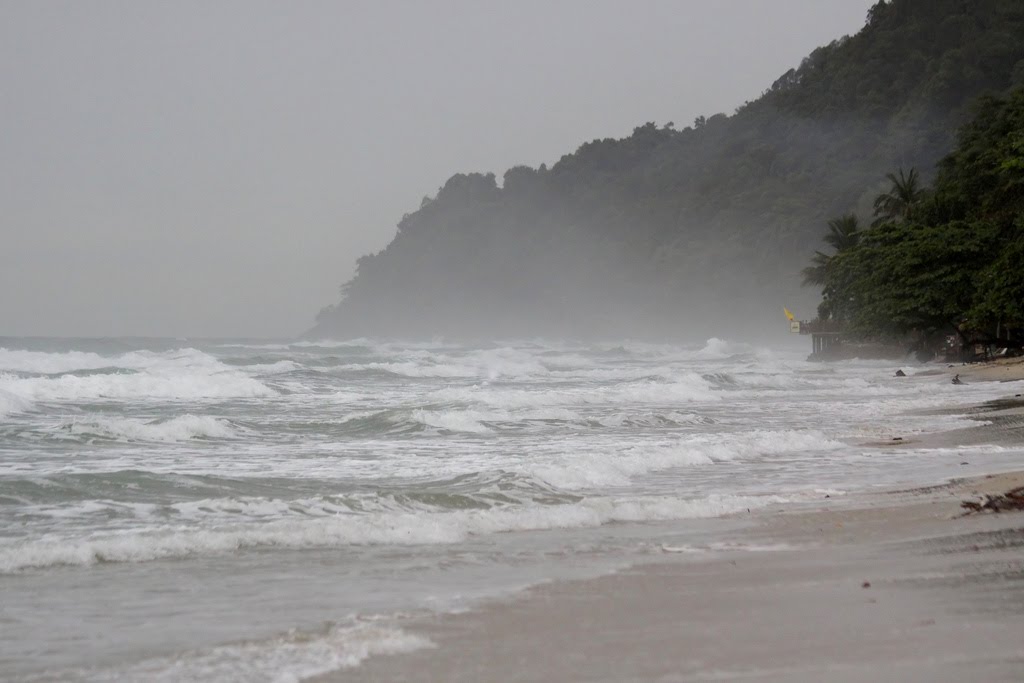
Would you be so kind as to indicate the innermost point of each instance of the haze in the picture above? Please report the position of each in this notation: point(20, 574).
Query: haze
point(214, 169)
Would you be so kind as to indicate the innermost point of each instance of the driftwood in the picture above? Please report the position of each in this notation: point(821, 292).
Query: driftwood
point(1012, 500)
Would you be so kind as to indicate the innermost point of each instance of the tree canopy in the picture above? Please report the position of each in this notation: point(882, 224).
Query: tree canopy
point(957, 262)
point(667, 226)
point(843, 234)
point(901, 201)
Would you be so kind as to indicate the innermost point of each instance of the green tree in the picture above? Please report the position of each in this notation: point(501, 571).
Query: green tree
point(843, 233)
point(901, 200)
point(910, 278)
point(816, 274)
point(952, 260)
point(643, 232)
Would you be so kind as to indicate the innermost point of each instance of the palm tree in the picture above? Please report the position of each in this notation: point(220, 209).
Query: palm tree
point(843, 234)
point(899, 202)
point(815, 274)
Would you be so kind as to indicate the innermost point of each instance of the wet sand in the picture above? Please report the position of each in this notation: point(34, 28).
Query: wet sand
point(1002, 420)
point(895, 586)
point(1001, 370)
point(944, 602)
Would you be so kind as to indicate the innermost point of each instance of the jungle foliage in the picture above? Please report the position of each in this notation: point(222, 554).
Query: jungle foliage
point(668, 226)
point(953, 261)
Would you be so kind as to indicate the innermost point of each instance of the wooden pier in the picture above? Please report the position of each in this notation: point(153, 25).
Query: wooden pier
point(823, 340)
point(824, 335)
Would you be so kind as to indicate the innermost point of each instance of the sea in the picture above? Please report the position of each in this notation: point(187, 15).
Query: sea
point(270, 510)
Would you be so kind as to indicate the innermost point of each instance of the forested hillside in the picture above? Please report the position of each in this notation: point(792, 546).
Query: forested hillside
point(693, 231)
point(943, 260)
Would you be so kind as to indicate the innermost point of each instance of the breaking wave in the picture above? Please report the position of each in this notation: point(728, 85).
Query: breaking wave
point(12, 403)
point(598, 469)
point(180, 428)
point(339, 531)
point(686, 387)
point(141, 385)
point(294, 656)
point(30, 377)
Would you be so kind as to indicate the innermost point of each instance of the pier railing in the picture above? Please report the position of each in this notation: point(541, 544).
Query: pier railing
point(824, 333)
point(821, 327)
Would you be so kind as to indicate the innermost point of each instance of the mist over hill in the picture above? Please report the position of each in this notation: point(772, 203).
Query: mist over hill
point(694, 231)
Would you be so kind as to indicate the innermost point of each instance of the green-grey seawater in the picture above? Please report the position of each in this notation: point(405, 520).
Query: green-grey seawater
point(261, 510)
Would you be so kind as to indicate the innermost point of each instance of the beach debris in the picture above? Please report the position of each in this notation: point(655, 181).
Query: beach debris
point(1012, 500)
point(900, 373)
point(897, 438)
point(957, 380)
point(682, 549)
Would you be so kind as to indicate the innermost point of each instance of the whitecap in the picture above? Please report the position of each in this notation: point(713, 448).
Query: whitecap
point(181, 428)
point(291, 657)
point(337, 531)
point(179, 374)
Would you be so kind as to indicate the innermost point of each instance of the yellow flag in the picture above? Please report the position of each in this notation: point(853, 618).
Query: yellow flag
point(788, 314)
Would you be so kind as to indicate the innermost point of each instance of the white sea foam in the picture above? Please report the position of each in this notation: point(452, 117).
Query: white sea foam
point(483, 421)
point(334, 343)
point(715, 348)
point(653, 419)
point(87, 511)
point(53, 363)
point(181, 428)
point(454, 420)
point(418, 369)
point(277, 368)
point(289, 658)
point(618, 468)
point(40, 362)
point(456, 444)
point(342, 397)
point(143, 385)
point(404, 528)
point(624, 372)
point(12, 403)
point(686, 387)
point(255, 508)
point(488, 364)
point(179, 374)
point(507, 362)
point(567, 361)
point(731, 546)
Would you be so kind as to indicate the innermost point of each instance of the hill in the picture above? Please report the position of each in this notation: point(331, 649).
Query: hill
point(941, 268)
point(695, 231)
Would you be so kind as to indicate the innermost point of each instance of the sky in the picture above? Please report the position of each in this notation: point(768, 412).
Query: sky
point(200, 168)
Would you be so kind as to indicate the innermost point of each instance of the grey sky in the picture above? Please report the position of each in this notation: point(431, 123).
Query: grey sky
point(215, 168)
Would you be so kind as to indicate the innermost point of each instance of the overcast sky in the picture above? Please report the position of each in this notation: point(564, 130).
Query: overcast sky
point(215, 168)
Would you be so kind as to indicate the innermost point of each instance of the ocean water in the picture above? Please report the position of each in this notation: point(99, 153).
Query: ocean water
point(265, 511)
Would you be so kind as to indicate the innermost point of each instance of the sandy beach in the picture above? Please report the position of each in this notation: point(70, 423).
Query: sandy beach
point(881, 586)
point(1001, 370)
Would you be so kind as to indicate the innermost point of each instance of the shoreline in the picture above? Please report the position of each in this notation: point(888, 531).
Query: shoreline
point(892, 585)
point(998, 370)
point(899, 587)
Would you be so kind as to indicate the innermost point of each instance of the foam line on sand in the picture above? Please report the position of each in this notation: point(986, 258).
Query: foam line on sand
point(893, 586)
